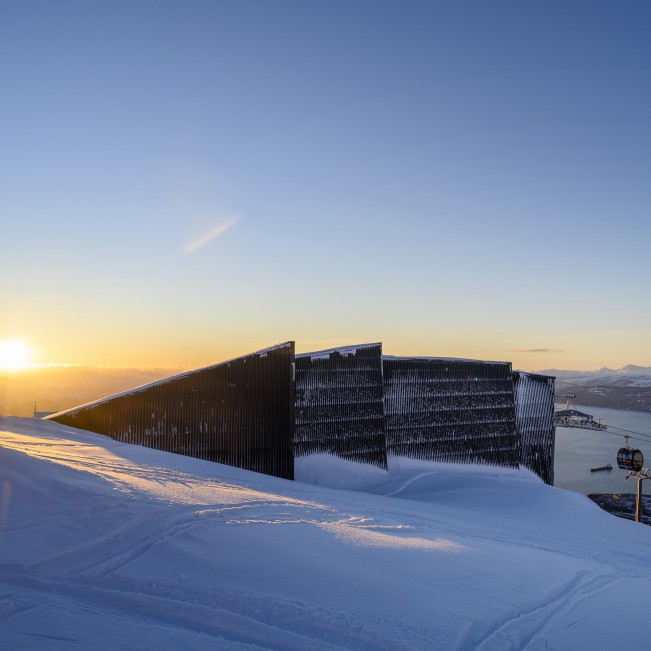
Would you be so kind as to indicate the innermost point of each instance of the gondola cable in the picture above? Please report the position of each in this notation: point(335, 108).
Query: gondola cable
point(629, 430)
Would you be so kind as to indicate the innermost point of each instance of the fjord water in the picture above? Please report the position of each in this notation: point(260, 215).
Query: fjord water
point(578, 450)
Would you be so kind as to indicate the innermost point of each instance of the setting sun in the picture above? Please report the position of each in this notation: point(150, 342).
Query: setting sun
point(14, 354)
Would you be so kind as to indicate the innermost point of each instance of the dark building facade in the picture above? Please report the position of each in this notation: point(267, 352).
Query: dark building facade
point(261, 410)
point(454, 410)
point(239, 412)
point(339, 407)
point(534, 414)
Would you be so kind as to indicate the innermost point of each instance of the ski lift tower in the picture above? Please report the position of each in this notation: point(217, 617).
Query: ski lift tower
point(572, 417)
point(633, 460)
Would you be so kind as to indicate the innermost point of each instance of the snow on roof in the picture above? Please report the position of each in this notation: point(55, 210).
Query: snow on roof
point(540, 375)
point(441, 359)
point(572, 412)
point(342, 350)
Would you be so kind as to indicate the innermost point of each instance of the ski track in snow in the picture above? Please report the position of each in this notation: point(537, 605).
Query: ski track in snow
point(147, 547)
point(518, 628)
point(229, 621)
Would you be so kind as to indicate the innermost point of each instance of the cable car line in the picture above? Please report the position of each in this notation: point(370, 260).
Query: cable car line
point(573, 418)
point(628, 430)
point(633, 438)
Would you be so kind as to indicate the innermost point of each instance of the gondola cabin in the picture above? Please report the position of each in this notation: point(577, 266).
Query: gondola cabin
point(630, 459)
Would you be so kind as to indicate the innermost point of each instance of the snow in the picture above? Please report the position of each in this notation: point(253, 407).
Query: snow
point(107, 545)
point(421, 358)
point(344, 351)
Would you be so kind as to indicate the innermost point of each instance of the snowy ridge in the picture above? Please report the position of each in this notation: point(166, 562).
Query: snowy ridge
point(107, 545)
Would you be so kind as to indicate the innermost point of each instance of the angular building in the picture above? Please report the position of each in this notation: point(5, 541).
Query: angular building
point(261, 410)
point(239, 412)
point(455, 410)
point(339, 407)
point(534, 415)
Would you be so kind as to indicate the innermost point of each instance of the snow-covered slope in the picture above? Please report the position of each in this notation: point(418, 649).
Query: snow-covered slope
point(106, 545)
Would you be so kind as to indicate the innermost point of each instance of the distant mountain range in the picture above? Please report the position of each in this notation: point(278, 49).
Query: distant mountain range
point(624, 388)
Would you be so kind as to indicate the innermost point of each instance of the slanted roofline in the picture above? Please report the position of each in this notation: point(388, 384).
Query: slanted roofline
point(442, 359)
point(145, 387)
point(339, 349)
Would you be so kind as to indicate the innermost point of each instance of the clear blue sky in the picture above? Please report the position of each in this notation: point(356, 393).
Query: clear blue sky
point(181, 182)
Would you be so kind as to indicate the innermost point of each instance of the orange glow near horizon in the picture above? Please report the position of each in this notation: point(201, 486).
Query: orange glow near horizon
point(161, 350)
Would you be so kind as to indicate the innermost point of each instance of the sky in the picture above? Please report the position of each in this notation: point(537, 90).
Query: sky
point(185, 182)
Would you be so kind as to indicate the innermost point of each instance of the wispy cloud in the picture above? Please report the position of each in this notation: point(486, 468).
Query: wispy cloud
point(537, 350)
point(200, 242)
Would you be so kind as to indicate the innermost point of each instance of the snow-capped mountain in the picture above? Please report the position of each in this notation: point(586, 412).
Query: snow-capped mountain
point(625, 388)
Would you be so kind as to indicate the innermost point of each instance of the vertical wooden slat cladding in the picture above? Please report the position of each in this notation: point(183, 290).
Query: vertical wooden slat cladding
point(534, 415)
point(239, 412)
point(453, 410)
point(339, 408)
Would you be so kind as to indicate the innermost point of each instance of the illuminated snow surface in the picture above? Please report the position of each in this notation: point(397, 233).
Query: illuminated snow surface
point(109, 546)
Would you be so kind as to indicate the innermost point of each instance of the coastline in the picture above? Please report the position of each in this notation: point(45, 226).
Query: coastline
point(622, 505)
